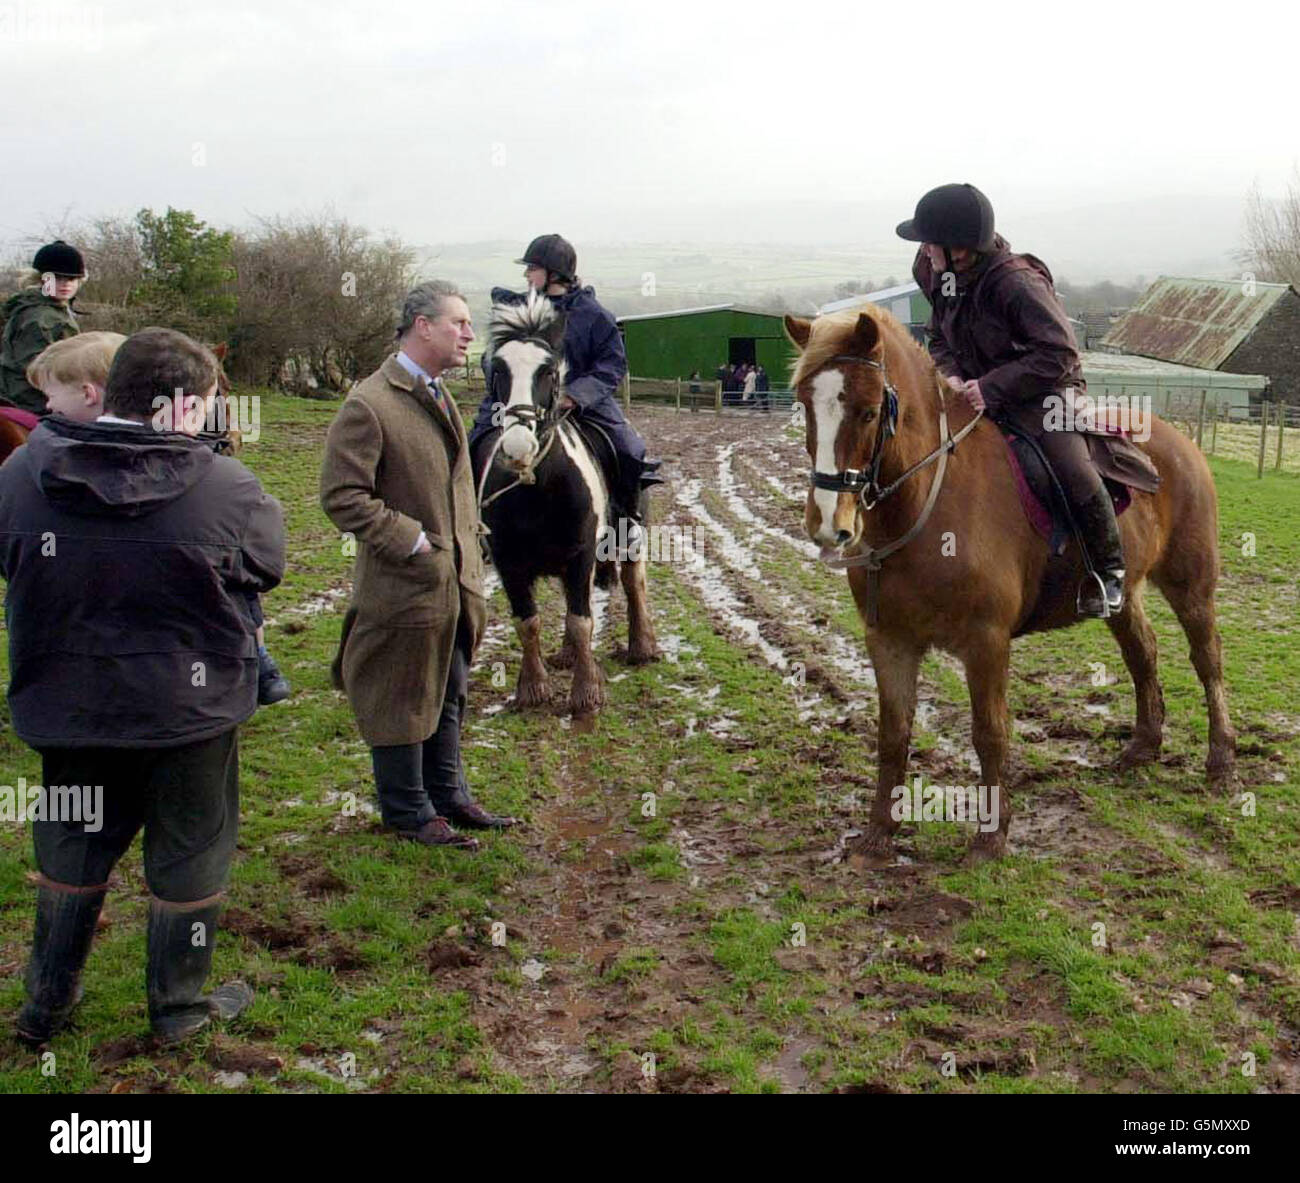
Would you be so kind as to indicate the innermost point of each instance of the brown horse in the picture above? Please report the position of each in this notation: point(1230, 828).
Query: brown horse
point(976, 574)
point(12, 435)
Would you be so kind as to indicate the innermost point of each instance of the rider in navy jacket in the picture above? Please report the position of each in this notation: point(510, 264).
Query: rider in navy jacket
point(595, 364)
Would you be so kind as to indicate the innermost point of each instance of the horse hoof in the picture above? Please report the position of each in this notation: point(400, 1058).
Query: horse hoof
point(586, 703)
point(642, 654)
point(1222, 778)
point(873, 849)
point(532, 695)
point(1137, 753)
point(986, 847)
point(562, 659)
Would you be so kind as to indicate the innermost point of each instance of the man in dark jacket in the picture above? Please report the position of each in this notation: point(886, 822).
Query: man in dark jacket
point(595, 364)
point(130, 551)
point(1000, 336)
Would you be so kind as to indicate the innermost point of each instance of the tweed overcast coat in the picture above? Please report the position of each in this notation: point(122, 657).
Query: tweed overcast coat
point(396, 464)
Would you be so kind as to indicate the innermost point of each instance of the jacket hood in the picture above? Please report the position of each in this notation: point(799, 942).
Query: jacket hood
point(992, 266)
point(580, 295)
point(28, 298)
point(111, 469)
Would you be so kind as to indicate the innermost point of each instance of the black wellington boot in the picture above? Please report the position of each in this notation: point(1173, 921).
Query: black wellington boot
point(180, 957)
point(272, 685)
point(65, 926)
point(1102, 596)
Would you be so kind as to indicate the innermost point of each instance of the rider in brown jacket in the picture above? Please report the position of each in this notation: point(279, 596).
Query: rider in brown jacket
point(1000, 336)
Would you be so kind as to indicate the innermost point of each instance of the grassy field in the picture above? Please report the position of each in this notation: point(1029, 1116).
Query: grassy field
point(678, 914)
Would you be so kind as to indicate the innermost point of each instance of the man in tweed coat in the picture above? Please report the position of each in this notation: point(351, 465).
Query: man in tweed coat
point(397, 478)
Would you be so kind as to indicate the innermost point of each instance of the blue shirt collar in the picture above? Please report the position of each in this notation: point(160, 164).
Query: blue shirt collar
point(413, 368)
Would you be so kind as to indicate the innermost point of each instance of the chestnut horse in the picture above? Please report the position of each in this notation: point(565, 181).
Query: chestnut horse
point(972, 576)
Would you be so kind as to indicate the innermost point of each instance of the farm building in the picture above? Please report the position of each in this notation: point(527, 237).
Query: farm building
point(674, 344)
point(1218, 324)
point(1169, 385)
point(904, 301)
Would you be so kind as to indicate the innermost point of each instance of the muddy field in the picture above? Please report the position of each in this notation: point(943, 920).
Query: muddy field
point(680, 912)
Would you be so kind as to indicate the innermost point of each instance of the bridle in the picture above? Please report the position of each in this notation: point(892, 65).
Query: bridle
point(866, 484)
point(853, 480)
point(543, 423)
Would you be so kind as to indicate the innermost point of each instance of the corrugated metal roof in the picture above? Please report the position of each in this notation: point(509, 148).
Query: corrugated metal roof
point(1118, 368)
point(703, 308)
point(1194, 322)
point(901, 289)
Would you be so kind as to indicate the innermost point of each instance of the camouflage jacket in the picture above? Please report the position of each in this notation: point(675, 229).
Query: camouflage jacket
point(32, 321)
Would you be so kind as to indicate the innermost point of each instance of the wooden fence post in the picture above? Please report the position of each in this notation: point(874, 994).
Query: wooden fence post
point(1281, 428)
point(627, 391)
point(679, 396)
point(717, 398)
point(1200, 422)
point(1263, 435)
point(1214, 427)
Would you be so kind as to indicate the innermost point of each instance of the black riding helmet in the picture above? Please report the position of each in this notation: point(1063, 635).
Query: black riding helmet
point(553, 253)
point(60, 258)
point(952, 215)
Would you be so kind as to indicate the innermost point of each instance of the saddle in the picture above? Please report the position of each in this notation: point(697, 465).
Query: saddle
point(1122, 465)
point(25, 419)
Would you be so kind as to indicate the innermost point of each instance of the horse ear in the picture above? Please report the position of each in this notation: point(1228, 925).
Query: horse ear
point(219, 351)
point(866, 334)
point(798, 329)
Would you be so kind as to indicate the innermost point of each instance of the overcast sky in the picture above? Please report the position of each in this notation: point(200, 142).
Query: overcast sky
point(667, 121)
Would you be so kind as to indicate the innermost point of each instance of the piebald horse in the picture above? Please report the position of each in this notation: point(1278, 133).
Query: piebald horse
point(543, 499)
point(967, 574)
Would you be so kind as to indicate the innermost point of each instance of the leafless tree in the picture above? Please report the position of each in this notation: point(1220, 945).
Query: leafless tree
point(1272, 249)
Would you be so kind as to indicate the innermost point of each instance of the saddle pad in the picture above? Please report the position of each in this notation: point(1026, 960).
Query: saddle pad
point(25, 419)
point(1122, 465)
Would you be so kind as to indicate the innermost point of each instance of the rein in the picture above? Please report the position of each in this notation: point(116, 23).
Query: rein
point(867, 484)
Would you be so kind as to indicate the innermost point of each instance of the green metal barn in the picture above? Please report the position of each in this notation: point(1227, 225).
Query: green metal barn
point(673, 344)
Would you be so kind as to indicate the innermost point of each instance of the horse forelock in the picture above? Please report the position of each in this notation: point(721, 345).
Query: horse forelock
point(832, 334)
point(519, 322)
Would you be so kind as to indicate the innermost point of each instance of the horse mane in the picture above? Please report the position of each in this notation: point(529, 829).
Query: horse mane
point(522, 321)
point(831, 334)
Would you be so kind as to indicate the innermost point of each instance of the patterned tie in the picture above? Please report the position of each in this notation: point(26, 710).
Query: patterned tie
point(438, 397)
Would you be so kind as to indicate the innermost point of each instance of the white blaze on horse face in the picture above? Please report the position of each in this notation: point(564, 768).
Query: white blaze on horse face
point(522, 360)
point(828, 414)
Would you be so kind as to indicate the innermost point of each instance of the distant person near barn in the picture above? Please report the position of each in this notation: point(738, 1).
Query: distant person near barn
point(595, 365)
point(37, 317)
point(1000, 336)
point(762, 385)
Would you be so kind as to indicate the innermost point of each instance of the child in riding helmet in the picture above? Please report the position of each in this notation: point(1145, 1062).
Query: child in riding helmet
point(37, 316)
point(594, 366)
point(1000, 337)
